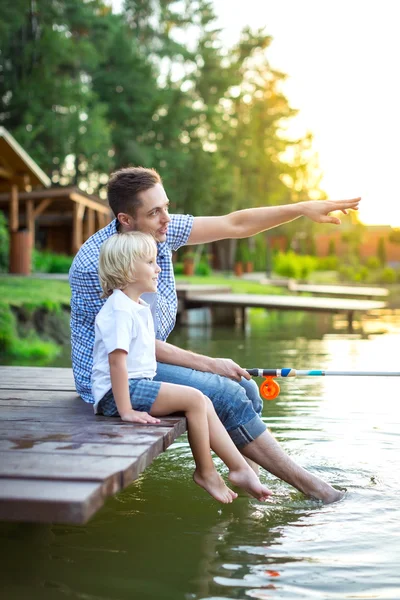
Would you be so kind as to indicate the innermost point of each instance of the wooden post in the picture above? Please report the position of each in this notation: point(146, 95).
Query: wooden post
point(30, 221)
point(77, 230)
point(14, 209)
point(90, 223)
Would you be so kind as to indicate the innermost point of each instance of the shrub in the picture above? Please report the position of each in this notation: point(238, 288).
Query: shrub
point(373, 262)
point(293, 265)
point(327, 263)
point(388, 275)
point(178, 268)
point(361, 275)
point(203, 269)
point(49, 262)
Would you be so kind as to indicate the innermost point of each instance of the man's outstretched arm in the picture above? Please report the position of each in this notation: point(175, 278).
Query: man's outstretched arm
point(167, 353)
point(248, 222)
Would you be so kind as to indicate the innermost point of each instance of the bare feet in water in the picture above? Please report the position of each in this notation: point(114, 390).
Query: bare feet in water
point(247, 480)
point(214, 484)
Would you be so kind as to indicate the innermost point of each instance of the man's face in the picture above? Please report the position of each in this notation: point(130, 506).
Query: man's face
point(152, 216)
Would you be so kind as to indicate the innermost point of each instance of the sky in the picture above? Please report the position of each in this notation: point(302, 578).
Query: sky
point(341, 58)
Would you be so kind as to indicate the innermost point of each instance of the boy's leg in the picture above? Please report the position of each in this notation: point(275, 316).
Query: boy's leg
point(240, 473)
point(174, 398)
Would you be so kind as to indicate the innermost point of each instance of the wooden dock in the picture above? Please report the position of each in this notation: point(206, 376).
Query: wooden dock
point(351, 291)
point(239, 302)
point(58, 461)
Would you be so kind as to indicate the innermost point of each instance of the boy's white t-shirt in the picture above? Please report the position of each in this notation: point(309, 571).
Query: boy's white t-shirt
point(124, 325)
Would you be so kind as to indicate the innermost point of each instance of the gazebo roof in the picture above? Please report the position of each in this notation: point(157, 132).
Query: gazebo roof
point(17, 167)
point(62, 197)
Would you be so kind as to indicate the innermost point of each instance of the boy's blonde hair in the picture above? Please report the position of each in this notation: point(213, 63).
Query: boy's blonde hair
point(118, 255)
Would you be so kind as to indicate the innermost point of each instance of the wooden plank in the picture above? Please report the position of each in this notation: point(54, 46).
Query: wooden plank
point(88, 449)
point(27, 434)
point(340, 290)
point(36, 378)
point(43, 501)
point(115, 472)
point(284, 302)
point(45, 398)
point(83, 201)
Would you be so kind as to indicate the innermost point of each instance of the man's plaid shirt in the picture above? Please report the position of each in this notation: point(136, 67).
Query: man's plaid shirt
point(86, 292)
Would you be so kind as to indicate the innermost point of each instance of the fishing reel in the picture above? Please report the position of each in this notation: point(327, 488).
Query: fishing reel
point(269, 389)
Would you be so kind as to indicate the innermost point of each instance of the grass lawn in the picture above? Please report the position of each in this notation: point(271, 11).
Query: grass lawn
point(28, 291)
point(239, 286)
point(18, 291)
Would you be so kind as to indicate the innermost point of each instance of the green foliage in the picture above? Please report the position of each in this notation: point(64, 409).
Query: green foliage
point(388, 275)
point(294, 265)
point(48, 60)
point(24, 349)
point(50, 262)
point(373, 262)
point(4, 243)
point(327, 263)
point(178, 268)
point(332, 247)
point(203, 269)
point(7, 328)
point(260, 253)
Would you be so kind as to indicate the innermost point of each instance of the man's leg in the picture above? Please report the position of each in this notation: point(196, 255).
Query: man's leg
point(246, 429)
point(266, 452)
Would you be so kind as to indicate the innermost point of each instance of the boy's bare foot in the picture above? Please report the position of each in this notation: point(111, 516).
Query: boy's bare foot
point(214, 484)
point(246, 479)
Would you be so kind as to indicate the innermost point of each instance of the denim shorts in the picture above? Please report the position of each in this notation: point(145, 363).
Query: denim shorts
point(143, 393)
point(238, 404)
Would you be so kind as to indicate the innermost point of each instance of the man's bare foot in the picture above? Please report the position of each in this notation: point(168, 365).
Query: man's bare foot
point(214, 484)
point(246, 479)
point(332, 495)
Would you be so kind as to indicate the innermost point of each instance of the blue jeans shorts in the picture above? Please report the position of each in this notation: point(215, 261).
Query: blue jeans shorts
point(238, 405)
point(143, 393)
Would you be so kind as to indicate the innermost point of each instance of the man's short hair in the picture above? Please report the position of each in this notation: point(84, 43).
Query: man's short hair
point(124, 188)
point(118, 255)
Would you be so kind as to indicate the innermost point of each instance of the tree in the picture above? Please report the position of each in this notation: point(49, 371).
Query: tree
point(46, 95)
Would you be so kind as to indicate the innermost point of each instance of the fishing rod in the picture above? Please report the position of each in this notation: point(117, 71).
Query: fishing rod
point(270, 388)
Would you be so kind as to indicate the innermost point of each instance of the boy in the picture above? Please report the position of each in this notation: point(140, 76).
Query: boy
point(124, 366)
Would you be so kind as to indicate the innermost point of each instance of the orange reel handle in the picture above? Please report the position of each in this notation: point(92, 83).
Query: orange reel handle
point(269, 389)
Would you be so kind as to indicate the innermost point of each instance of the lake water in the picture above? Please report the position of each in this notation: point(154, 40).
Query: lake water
point(164, 538)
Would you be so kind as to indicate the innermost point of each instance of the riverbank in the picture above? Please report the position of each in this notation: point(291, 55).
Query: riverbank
point(35, 312)
point(34, 319)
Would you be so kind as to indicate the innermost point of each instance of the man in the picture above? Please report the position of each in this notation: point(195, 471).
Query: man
point(139, 202)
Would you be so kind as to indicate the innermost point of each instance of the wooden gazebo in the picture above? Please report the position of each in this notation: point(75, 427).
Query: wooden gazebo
point(64, 217)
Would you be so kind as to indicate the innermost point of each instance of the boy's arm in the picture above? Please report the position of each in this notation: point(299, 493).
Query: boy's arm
point(167, 353)
point(120, 387)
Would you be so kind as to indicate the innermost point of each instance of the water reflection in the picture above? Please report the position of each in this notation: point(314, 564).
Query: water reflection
point(164, 538)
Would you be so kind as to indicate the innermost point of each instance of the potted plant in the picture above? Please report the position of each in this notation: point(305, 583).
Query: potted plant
point(188, 263)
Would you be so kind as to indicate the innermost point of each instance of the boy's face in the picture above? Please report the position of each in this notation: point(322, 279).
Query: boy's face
point(145, 273)
point(152, 216)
